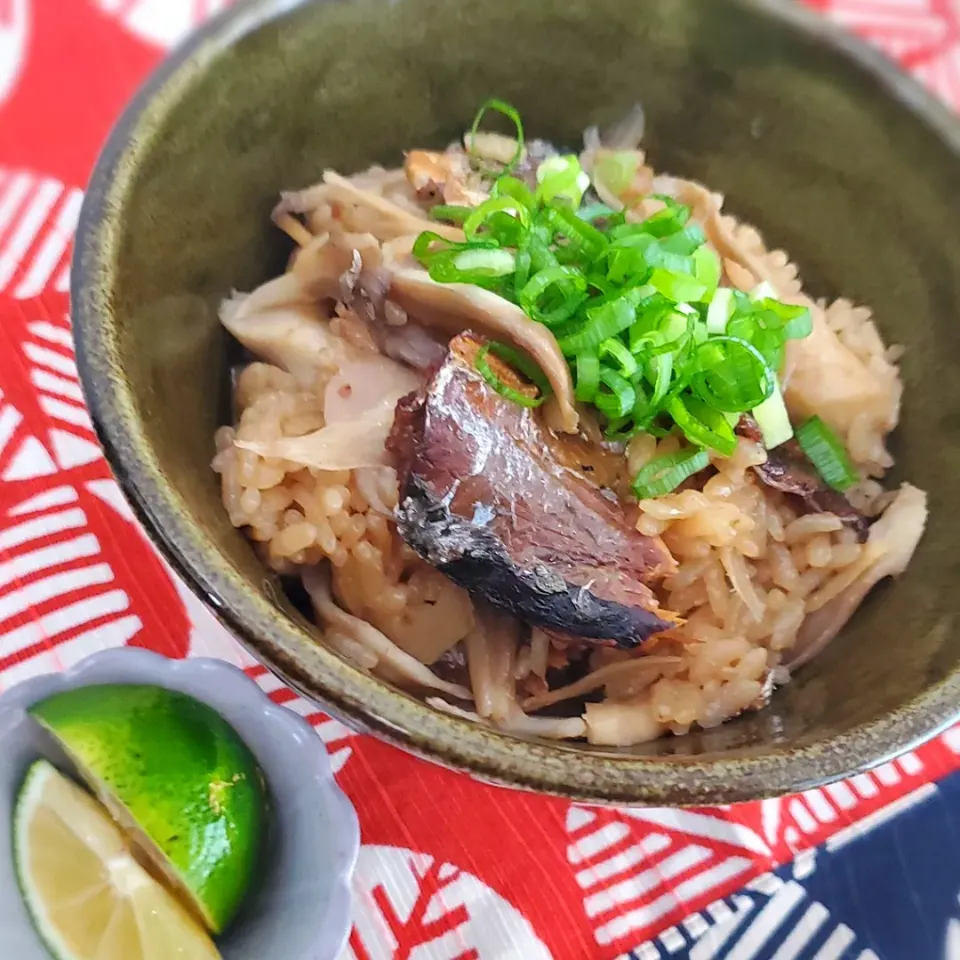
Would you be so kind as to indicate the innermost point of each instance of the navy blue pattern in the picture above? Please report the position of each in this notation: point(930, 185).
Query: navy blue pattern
point(889, 893)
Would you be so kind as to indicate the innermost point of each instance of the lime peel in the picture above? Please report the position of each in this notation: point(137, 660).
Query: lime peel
point(178, 780)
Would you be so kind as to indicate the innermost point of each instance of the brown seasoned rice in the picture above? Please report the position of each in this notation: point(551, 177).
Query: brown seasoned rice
point(751, 568)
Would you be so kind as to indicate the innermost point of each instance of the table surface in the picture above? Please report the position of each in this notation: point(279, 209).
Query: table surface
point(866, 869)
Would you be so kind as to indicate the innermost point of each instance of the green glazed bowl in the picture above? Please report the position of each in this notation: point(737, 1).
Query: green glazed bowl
point(812, 137)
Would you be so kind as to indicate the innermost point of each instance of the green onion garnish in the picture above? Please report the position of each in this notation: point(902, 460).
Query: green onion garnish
point(603, 321)
point(707, 269)
point(423, 246)
point(826, 452)
point(572, 231)
point(509, 186)
point(669, 220)
point(500, 218)
point(702, 424)
point(732, 375)
point(677, 286)
point(617, 170)
point(450, 213)
point(478, 266)
point(616, 352)
point(685, 242)
point(596, 211)
point(561, 179)
point(662, 371)
point(553, 295)
point(653, 342)
point(618, 398)
point(666, 473)
point(773, 420)
point(510, 113)
point(523, 362)
point(587, 377)
point(504, 389)
point(720, 311)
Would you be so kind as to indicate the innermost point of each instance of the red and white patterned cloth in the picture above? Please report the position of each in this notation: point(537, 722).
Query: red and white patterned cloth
point(76, 574)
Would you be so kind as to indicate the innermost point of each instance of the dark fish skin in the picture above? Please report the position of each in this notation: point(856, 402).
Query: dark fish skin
point(485, 500)
point(787, 469)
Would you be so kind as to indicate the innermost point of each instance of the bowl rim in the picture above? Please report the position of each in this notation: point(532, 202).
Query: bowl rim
point(317, 673)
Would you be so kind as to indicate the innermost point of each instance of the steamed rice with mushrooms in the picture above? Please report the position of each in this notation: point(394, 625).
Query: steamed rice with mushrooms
point(555, 443)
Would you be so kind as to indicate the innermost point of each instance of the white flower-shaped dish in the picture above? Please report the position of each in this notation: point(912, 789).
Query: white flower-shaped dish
point(300, 909)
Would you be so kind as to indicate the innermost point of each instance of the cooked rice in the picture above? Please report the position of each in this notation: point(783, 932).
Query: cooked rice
point(750, 567)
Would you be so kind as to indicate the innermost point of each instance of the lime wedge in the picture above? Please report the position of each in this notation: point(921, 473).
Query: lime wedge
point(87, 895)
point(177, 779)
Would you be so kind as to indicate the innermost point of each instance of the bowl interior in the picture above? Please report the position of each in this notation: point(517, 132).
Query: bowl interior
point(832, 162)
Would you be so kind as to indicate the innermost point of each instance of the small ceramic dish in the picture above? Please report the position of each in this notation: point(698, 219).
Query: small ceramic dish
point(300, 909)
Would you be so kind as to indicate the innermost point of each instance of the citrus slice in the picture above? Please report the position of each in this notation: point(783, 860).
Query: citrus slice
point(177, 779)
point(87, 895)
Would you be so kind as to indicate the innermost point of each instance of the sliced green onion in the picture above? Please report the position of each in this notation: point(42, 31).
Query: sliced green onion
point(617, 170)
point(522, 361)
point(511, 114)
point(671, 332)
point(604, 321)
point(664, 474)
point(651, 312)
point(799, 327)
point(675, 262)
point(588, 377)
point(538, 242)
point(615, 350)
point(602, 285)
point(620, 430)
point(423, 246)
point(763, 291)
point(707, 269)
point(522, 273)
point(618, 399)
point(644, 296)
point(553, 295)
point(773, 420)
point(504, 389)
point(644, 410)
point(653, 341)
point(720, 311)
point(596, 211)
point(678, 287)
point(674, 328)
point(450, 213)
point(507, 186)
point(732, 375)
point(703, 425)
point(582, 236)
point(562, 178)
point(504, 218)
point(632, 256)
point(663, 370)
point(686, 242)
point(793, 320)
point(768, 341)
point(827, 453)
point(627, 261)
point(667, 221)
point(482, 264)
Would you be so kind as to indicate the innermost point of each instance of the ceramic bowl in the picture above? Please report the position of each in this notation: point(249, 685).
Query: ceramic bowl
point(814, 138)
point(300, 909)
